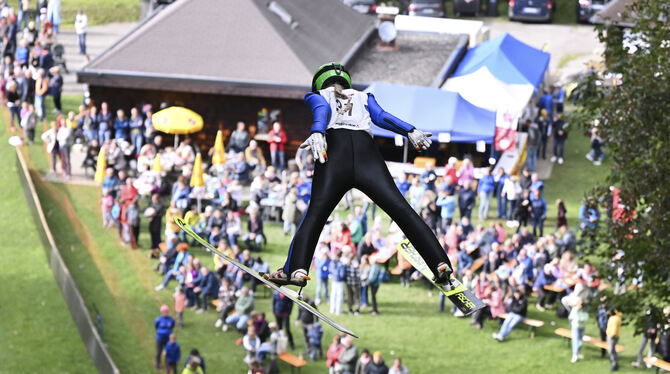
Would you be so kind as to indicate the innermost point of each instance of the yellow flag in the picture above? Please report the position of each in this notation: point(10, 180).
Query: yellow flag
point(196, 177)
point(219, 156)
point(100, 168)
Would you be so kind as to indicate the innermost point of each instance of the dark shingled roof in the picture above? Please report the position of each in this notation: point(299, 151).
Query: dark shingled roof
point(418, 60)
point(241, 43)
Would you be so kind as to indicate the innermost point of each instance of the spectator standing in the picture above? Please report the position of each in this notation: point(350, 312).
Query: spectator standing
point(398, 367)
point(104, 119)
point(544, 124)
point(348, 356)
point(80, 28)
point(560, 135)
point(13, 104)
point(239, 139)
point(172, 355)
point(41, 90)
point(377, 366)
point(539, 214)
point(56, 88)
point(135, 126)
point(510, 192)
point(532, 144)
point(559, 98)
point(53, 14)
point(374, 279)
point(523, 209)
point(589, 215)
point(500, 179)
point(649, 334)
point(561, 216)
point(466, 200)
point(322, 265)
point(155, 215)
point(132, 212)
point(339, 272)
point(353, 282)
point(179, 304)
point(447, 203)
point(613, 327)
point(281, 308)
point(164, 325)
point(578, 317)
point(65, 138)
point(333, 355)
point(277, 140)
point(485, 189)
point(428, 177)
point(27, 87)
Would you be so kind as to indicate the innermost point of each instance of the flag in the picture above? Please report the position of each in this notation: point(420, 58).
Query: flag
point(100, 167)
point(506, 123)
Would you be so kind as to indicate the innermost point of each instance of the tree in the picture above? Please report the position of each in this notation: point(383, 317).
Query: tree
point(632, 105)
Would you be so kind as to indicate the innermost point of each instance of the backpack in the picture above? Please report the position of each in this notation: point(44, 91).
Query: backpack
point(341, 272)
point(562, 312)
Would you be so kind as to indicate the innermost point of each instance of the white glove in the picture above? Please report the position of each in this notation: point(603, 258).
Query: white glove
point(420, 140)
point(317, 143)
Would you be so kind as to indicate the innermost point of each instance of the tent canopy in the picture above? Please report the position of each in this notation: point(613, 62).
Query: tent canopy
point(434, 110)
point(484, 90)
point(508, 59)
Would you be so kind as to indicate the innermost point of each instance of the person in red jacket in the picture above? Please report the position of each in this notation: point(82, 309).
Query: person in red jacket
point(277, 140)
point(333, 354)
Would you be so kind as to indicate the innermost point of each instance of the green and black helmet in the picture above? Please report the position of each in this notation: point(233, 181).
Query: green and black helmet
point(327, 74)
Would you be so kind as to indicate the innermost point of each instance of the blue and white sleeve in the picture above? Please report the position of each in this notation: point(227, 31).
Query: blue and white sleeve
point(386, 120)
point(320, 111)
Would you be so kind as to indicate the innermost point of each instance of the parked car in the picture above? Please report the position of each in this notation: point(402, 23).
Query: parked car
point(587, 8)
point(426, 8)
point(470, 7)
point(530, 10)
point(362, 6)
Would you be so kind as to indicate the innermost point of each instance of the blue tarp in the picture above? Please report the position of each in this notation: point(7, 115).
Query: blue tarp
point(434, 110)
point(508, 59)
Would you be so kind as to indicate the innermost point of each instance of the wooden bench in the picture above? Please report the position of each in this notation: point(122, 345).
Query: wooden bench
point(658, 363)
point(588, 339)
point(531, 323)
point(293, 360)
point(554, 288)
point(180, 247)
point(477, 264)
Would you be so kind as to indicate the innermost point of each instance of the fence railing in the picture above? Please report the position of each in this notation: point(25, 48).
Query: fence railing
point(87, 329)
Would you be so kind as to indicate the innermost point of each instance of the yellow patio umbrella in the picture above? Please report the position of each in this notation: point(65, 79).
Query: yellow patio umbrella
point(100, 168)
point(196, 176)
point(177, 120)
point(197, 179)
point(156, 168)
point(219, 156)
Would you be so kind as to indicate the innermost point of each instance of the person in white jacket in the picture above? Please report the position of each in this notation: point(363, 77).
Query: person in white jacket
point(80, 28)
point(511, 191)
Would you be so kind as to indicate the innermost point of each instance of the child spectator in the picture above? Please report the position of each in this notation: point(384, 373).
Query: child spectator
point(179, 303)
point(164, 325)
point(251, 344)
point(255, 368)
point(172, 355)
point(106, 206)
point(314, 336)
point(29, 122)
point(613, 327)
point(363, 362)
point(377, 366)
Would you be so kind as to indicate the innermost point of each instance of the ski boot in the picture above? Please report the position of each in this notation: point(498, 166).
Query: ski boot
point(280, 278)
point(443, 275)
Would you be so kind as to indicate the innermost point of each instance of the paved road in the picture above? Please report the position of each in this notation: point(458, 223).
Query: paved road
point(99, 38)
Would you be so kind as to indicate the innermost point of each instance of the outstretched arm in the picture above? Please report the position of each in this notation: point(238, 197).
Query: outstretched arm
point(419, 140)
point(386, 120)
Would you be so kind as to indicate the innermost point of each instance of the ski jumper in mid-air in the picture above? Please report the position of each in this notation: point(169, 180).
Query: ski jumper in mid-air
point(346, 157)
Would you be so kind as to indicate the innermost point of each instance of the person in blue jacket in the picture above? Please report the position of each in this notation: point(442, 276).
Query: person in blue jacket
point(402, 184)
point(172, 355)
point(207, 286)
point(346, 157)
point(538, 213)
point(485, 190)
point(164, 325)
point(322, 265)
point(447, 203)
point(547, 102)
point(121, 126)
point(544, 278)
